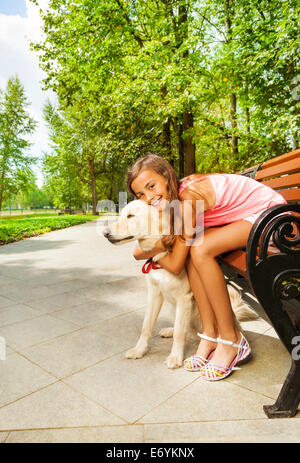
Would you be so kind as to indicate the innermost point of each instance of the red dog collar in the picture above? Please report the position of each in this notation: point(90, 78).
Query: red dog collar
point(149, 265)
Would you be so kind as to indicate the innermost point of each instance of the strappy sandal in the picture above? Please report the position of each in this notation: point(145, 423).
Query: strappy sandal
point(214, 372)
point(196, 362)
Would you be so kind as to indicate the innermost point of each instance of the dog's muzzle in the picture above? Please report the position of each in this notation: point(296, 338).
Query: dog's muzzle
point(108, 235)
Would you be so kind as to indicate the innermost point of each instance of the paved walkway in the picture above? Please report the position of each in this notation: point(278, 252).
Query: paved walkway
point(71, 304)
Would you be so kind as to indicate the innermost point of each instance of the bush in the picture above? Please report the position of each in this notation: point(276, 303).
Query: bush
point(18, 229)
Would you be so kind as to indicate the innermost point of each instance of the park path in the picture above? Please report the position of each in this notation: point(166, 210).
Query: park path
point(71, 304)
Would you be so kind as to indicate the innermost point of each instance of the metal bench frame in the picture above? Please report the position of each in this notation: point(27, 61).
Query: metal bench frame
point(272, 278)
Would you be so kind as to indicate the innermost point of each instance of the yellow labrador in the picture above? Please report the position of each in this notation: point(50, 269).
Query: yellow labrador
point(144, 223)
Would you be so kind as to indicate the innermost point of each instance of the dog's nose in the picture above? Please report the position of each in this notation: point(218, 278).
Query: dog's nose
point(106, 232)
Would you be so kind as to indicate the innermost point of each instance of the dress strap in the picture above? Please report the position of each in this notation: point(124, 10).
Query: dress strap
point(189, 180)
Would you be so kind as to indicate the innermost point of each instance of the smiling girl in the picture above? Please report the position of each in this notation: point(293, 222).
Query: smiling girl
point(231, 205)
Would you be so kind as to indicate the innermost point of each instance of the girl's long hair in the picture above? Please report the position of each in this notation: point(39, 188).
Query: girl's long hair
point(160, 166)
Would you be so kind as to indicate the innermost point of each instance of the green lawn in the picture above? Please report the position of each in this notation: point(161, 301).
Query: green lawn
point(15, 229)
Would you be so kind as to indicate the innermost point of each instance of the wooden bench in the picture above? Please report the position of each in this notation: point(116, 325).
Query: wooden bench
point(271, 263)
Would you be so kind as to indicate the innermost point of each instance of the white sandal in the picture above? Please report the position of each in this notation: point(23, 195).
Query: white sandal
point(196, 362)
point(214, 372)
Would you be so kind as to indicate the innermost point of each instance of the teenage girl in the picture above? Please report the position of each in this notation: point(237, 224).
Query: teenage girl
point(231, 205)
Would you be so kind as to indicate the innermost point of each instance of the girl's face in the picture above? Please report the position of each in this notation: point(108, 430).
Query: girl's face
point(151, 188)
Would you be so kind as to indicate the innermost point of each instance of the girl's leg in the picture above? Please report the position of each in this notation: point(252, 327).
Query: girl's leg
point(208, 319)
point(217, 241)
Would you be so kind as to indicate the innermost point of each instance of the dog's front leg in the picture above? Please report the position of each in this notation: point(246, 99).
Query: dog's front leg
point(155, 300)
point(182, 320)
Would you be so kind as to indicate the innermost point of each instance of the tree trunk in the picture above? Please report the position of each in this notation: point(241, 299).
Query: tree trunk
point(234, 138)
point(233, 99)
point(248, 121)
point(186, 146)
point(189, 146)
point(94, 194)
point(180, 151)
point(167, 146)
point(91, 166)
point(2, 186)
point(247, 110)
point(294, 141)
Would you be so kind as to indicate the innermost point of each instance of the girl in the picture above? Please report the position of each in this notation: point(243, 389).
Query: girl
point(231, 205)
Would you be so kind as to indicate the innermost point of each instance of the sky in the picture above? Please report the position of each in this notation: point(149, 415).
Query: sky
point(20, 24)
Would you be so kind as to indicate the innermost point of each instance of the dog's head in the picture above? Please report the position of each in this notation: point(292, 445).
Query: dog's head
point(137, 221)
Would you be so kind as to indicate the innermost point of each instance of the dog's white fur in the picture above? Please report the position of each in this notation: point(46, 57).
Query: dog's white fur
point(144, 223)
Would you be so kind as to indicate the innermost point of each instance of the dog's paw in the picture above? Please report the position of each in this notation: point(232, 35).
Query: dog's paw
point(166, 332)
point(134, 354)
point(173, 361)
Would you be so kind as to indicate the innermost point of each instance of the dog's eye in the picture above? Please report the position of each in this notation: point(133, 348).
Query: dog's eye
point(129, 216)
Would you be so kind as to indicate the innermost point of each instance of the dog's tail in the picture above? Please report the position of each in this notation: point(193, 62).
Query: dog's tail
point(241, 310)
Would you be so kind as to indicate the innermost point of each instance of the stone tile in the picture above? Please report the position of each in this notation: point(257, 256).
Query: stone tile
point(34, 331)
point(132, 283)
point(125, 297)
point(255, 328)
point(58, 302)
point(56, 406)
point(5, 302)
point(9, 351)
point(3, 436)
point(26, 291)
point(91, 312)
point(132, 388)
point(16, 313)
point(19, 377)
point(266, 372)
point(105, 434)
point(203, 401)
point(256, 431)
point(73, 352)
point(5, 280)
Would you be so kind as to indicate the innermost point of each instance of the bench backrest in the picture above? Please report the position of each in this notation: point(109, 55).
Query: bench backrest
point(281, 173)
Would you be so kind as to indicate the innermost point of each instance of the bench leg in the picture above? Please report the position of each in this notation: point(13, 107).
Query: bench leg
point(289, 397)
point(272, 277)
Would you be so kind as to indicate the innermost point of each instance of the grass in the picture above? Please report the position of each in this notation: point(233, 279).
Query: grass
point(15, 229)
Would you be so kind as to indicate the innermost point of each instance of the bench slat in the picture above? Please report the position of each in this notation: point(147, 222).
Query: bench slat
point(283, 182)
point(279, 159)
point(237, 261)
point(287, 167)
point(290, 195)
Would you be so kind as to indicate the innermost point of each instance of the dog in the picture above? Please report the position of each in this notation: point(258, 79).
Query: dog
point(144, 223)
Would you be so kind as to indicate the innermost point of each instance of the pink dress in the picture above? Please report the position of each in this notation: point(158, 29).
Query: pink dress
point(237, 197)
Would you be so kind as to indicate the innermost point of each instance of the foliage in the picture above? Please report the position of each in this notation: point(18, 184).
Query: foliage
point(131, 75)
point(17, 229)
point(15, 125)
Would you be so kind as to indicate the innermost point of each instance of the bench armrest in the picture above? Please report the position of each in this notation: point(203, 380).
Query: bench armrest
point(277, 225)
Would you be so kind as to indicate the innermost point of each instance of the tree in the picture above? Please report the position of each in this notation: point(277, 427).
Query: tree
point(207, 84)
point(15, 125)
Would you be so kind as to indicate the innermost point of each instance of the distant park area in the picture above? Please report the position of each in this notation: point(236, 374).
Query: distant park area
point(18, 227)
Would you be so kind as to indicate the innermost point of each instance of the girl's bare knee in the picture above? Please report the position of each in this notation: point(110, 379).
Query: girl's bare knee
point(198, 254)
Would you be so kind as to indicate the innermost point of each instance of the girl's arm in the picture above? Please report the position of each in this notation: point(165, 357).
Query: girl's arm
point(139, 254)
point(174, 262)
